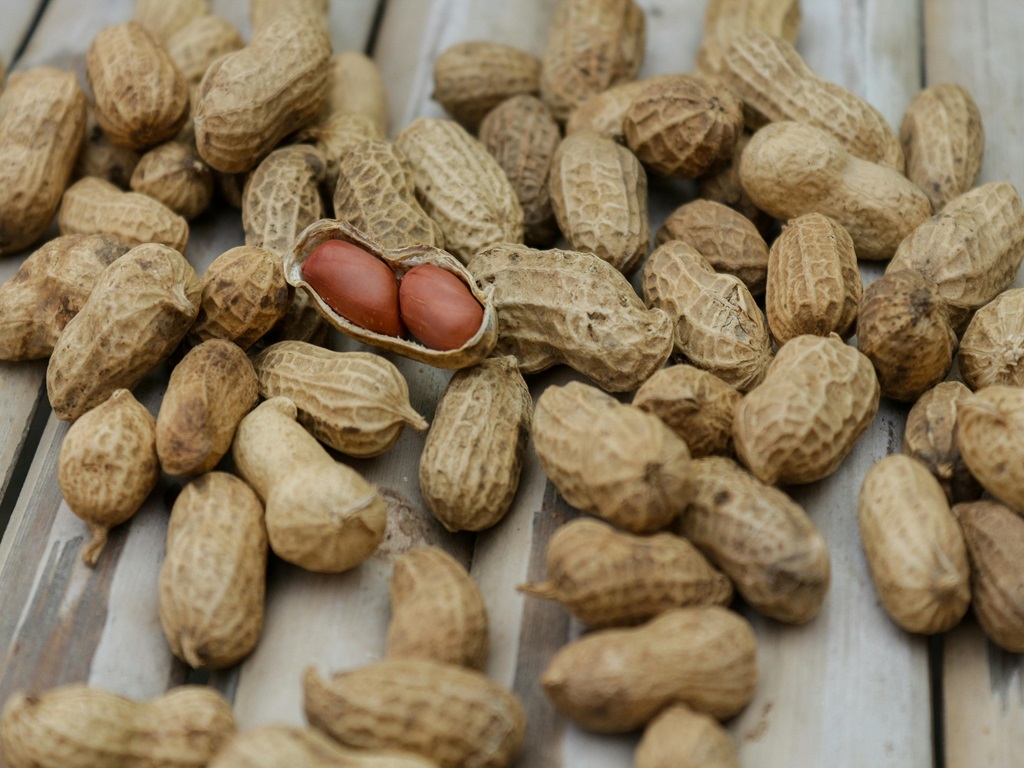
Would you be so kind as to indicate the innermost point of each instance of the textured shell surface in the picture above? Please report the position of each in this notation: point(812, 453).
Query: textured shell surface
point(914, 546)
point(760, 538)
point(723, 186)
point(682, 738)
point(818, 397)
point(356, 87)
point(199, 43)
point(992, 349)
point(718, 325)
point(574, 308)
point(99, 157)
point(282, 197)
point(164, 18)
point(605, 111)
point(611, 459)
point(336, 136)
point(725, 20)
point(472, 458)
point(989, 425)
point(461, 187)
point(174, 174)
point(599, 194)
point(930, 437)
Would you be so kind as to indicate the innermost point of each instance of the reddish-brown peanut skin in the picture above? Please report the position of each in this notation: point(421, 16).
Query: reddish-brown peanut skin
point(356, 285)
point(438, 308)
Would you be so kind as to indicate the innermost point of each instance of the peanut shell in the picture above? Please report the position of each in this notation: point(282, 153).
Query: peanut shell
point(273, 746)
point(282, 197)
point(988, 429)
point(174, 174)
point(99, 157)
point(682, 738)
point(355, 87)
point(309, 12)
point(992, 350)
point(605, 111)
point(724, 186)
point(336, 137)
point(196, 45)
point(726, 20)
point(164, 18)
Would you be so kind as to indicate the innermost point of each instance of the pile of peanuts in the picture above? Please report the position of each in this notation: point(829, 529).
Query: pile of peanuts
point(416, 246)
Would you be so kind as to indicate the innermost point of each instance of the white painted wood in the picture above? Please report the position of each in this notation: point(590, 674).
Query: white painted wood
point(18, 18)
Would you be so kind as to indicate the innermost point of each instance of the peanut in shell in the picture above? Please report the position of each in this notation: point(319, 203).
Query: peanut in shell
point(272, 746)
point(988, 429)
point(682, 738)
point(725, 20)
point(164, 18)
point(355, 87)
point(196, 45)
point(282, 197)
point(992, 349)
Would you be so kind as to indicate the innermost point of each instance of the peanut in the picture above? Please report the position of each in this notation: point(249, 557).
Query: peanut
point(141, 307)
point(212, 578)
point(775, 84)
point(605, 577)
point(438, 308)
point(682, 738)
point(244, 294)
point(914, 547)
point(930, 437)
point(591, 46)
point(437, 612)
point(209, 392)
point(251, 99)
point(599, 195)
point(174, 174)
point(49, 289)
point(472, 78)
point(273, 746)
point(282, 197)
point(355, 402)
point(99, 157)
point(355, 87)
point(163, 18)
point(302, 321)
point(726, 238)
point(108, 466)
point(995, 546)
point(726, 20)
point(992, 350)
point(470, 464)
point(718, 325)
point(943, 142)
point(461, 187)
point(981, 238)
point(320, 514)
point(311, 12)
point(336, 137)
point(616, 680)
point(573, 308)
point(988, 429)
point(453, 716)
point(141, 97)
point(697, 405)
point(94, 206)
point(816, 401)
point(194, 46)
point(611, 459)
point(789, 169)
point(724, 186)
point(760, 538)
point(604, 111)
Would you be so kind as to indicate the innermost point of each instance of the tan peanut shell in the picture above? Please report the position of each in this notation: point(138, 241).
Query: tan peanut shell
point(301, 322)
point(437, 612)
point(718, 325)
point(141, 97)
point(599, 195)
point(759, 537)
point(471, 460)
point(726, 238)
point(472, 78)
point(273, 746)
point(453, 716)
point(263, 12)
point(141, 307)
point(108, 465)
point(914, 546)
point(213, 577)
point(336, 137)
point(988, 429)
point(461, 187)
point(76, 726)
point(611, 459)
point(355, 87)
point(355, 402)
point(42, 123)
point(775, 84)
point(696, 404)
point(930, 437)
point(789, 169)
point(605, 577)
point(616, 680)
point(376, 195)
point(196, 45)
point(401, 261)
point(992, 349)
point(209, 392)
point(682, 738)
point(724, 186)
point(94, 206)
point(813, 286)
point(980, 236)
point(726, 20)
point(244, 294)
point(49, 289)
point(282, 197)
point(604, 111)
point(321, 515)
point(99, 157)
point(573, 308)
point(174, 174)
point(591, 45)
point(903, 327)
point(523, 136)
point(816, 401)
point(994, 536)
point(943, 142)
point(683, 126)
point(251, 99)
point(164, 18)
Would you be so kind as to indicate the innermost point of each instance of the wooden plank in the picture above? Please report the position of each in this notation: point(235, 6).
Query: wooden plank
point(977, 46)
point(18, 19)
